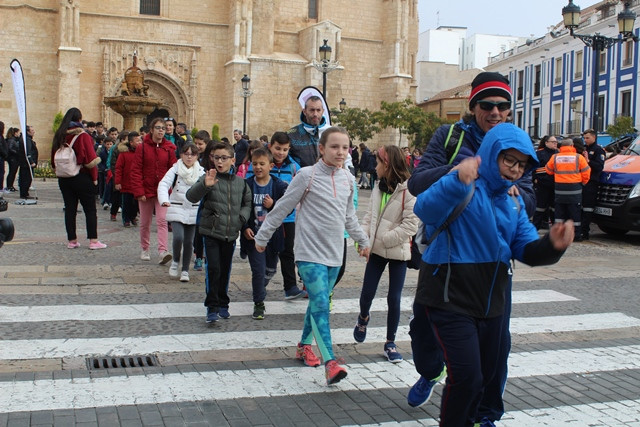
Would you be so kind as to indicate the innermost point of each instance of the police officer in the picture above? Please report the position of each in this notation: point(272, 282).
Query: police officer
point(544, 185)
point(595, 156)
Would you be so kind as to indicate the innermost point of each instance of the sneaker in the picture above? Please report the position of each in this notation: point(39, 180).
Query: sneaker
point(119, 210)
point(197, 264)
point(184, 276)
point(224, 312)
point(485, 422)
point(73, 245)
point(305, 353)
point(127, 224)
point(96, 245)
point(293, 293)
point(134, 222)
point(105, 206)
point(422, 390)
point(391, 352)
point(165, 257)
point(334, 372)
point(360, 331)
point(113, 217)
point(173, 270)
point(258, 311)
point(212, 315)
point(144, 255)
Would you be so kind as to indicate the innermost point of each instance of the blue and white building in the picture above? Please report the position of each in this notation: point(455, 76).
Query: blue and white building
point(552, 76)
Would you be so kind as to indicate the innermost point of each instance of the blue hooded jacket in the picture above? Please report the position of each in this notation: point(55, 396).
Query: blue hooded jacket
point(468, 266)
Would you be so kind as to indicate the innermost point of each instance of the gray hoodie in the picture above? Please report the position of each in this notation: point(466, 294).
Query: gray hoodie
point(326, 209)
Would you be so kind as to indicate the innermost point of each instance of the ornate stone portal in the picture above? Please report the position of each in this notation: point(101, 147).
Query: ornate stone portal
point(133, 104)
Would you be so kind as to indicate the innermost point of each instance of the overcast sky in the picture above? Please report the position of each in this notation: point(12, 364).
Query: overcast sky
point(503, 17)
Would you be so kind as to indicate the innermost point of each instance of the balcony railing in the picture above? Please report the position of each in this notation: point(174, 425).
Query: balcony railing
point(534, 132)
point(554, 128)
point(626, 62)
point(150, 7)
point(577, 75)
point(573, 126)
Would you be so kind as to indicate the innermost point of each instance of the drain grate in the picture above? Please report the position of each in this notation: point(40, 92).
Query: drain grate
point(139, 361)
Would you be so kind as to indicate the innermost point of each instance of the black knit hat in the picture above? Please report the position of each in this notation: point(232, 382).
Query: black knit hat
point(489, 84)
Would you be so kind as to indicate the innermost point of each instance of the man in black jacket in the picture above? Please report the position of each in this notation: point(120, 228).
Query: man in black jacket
point(596, 157)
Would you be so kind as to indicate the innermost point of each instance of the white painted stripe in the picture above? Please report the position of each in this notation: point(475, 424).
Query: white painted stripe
point(233, 384)
point(122, 346)
point(617, 413)
point(53, 313)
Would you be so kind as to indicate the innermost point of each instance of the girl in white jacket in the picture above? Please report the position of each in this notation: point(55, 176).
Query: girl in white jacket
point(389, 223)
point(181, 212)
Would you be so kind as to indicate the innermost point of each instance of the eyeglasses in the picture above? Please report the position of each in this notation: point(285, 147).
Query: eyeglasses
point(159, 128)
point(189, 154)
point(168, 118)
point(223, 158)
point(511, 161)
point(488, 105)
point(552, 141)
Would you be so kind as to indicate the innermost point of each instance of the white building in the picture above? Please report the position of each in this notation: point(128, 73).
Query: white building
point(477, 49)
point(552, 76)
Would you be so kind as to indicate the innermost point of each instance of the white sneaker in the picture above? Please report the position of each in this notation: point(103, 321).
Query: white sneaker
point(145, 256)
point(119, 210)
point(165, 257)
point(184, 276)
point(173, 270)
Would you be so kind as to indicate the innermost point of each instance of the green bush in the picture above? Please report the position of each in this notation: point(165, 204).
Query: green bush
point(193, 132)
point(57, 120)
point(44, 170)
point(215, 133)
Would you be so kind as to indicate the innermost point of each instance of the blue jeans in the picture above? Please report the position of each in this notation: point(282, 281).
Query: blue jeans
point(372, 273)
point(260, 262)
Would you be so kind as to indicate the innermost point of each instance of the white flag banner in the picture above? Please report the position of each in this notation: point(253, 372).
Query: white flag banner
point(21, 104)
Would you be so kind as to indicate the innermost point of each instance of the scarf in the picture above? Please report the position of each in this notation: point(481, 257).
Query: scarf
point(314, 130)
point(188, 175)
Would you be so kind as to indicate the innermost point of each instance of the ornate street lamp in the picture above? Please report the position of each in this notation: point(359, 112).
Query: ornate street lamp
point(342, 104)
point(325, 65)
point(246, 92)
point(598, 43)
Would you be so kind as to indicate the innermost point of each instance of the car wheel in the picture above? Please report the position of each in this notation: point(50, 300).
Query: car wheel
point(613, 231)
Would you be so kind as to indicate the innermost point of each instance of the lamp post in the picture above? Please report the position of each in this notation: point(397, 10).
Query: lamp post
point(246, 92)
point(325, 65)
point(342, 104)
point(598, 43)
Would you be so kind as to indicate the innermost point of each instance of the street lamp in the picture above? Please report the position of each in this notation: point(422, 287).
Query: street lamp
point(598, 43)
point(342, 104)
point(325, 65)
point(246, 92)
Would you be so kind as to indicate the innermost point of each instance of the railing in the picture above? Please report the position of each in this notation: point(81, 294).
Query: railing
point(626, 62)
point(534, 132)
point(554, 128)
point(150, 7)
point(558, 80)
point(577, 75)
point(573, 126)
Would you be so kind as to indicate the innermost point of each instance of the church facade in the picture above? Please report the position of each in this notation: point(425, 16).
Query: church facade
point(194, 54)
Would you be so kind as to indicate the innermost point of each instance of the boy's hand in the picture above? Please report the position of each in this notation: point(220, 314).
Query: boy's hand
point(260, 248)
point(142, 198)
point(561, 235)
point(267, 202)
point(118, 187)
point(249, 234)
point(468, 170)
point(513, 191)
point(210, 178)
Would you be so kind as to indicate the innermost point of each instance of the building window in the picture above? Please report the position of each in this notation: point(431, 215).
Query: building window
point(627, 53)
point(313, 9)
point(601, 113)
point(520, 89)
point(150, 7)
point(577, 74)
point(537, 81)
point(625, 107)
point(519, 119)
point(558, 71)
point(603, 62)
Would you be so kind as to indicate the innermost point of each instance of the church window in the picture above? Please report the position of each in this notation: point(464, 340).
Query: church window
point(150, 7)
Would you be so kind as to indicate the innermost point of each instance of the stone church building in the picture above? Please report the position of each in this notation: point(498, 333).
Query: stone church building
point(194, 53)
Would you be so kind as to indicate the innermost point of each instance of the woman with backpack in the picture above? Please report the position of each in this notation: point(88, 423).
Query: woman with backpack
point(78, 181)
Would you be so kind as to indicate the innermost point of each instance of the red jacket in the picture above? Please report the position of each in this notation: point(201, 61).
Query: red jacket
point(152, 161)
point(124, 166)
point(85, 154)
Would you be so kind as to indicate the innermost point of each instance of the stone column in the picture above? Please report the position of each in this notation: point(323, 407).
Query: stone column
point(69, 53)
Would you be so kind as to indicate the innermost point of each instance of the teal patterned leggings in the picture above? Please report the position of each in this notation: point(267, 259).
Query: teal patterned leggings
point(319, 280)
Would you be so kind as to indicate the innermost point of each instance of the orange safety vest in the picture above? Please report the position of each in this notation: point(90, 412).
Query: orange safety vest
point(570, 171)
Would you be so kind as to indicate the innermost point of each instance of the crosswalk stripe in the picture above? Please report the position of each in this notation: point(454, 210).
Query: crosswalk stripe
point(42, 394)
point(620, 413)
point(122, 346)
point(12, 314)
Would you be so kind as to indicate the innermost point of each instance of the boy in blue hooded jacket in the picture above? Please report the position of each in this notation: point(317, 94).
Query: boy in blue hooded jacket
point(466, 269)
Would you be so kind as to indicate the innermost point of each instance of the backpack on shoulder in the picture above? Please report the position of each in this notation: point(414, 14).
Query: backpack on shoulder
point(65, 160)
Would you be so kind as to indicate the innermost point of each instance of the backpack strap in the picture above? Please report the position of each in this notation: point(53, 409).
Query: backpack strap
point(453, 142)
point(73, 140)
point(455, 214)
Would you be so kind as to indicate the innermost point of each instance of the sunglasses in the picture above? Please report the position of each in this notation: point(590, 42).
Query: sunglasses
point(488, 105)
point(168, 118)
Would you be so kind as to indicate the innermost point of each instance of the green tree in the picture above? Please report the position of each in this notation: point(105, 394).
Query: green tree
point(215, 132)
point(622, 125)
point(193, 132)
point(405, 116)
point(358, 123)
point(57, 120)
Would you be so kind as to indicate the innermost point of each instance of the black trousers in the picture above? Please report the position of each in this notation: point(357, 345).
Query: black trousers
point(589, 196)
point(79, 188)
point(24, 180)
point(545, 206)
point(218, 266)
point(565, 211)
point(287, 261)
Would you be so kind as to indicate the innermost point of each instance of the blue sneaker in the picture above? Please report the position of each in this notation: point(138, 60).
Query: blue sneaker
point(485, 422)
point(423, 389)
point(392, 354)
point(223, 312)
point(212, 315)
point(197, 264)
point(293, 293)
point(360, 331)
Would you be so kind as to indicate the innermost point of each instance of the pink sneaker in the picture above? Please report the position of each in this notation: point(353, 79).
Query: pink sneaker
point(334, 372)
point(97, 245)
point(73, 245)
point(305, 353)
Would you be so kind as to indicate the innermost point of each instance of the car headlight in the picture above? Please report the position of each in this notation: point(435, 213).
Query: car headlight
point(635, 192)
